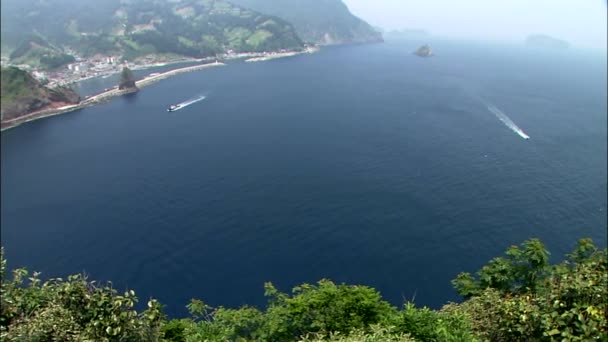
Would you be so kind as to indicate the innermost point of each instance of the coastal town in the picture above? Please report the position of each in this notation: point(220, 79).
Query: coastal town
point(84, 68)
point(105, 66)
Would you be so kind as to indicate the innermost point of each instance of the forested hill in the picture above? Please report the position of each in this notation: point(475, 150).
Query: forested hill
point(319, 21)
point(21, 93)
point(32, 29)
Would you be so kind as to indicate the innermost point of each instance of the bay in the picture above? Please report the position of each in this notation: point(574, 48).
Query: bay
point(362, 164)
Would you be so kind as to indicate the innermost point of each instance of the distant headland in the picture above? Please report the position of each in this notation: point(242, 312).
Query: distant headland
point(545, 41)
point(407, 34)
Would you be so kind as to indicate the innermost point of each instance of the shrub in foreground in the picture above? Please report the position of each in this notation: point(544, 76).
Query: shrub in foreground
point(525, 299)
point(518, 297)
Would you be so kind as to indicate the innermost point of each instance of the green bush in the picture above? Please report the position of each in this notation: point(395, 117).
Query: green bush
point(522, 270)
point(377, 333)
point(73, 309)
point(519, 297)
point(425, 324)
point(175, 330)
point(564, 302)
point(325, 307)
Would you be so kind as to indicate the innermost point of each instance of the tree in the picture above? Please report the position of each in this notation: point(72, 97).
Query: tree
point(522, 270)
point(72, 309)
point(522, 298)
point(325, 307)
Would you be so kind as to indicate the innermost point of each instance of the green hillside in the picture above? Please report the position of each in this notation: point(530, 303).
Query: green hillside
point(318, 21)
point(32, 29)
point(517, 297)
point(21, 93)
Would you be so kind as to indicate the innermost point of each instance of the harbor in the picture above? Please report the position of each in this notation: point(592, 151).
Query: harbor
point(104, 96)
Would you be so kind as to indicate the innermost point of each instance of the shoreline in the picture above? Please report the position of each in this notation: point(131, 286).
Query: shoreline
point(272, 56)
point(134, 65)
point(101, 97)
point(148, 80)
point(140, 67)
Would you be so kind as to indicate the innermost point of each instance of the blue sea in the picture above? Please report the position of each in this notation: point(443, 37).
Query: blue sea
point(363, 164)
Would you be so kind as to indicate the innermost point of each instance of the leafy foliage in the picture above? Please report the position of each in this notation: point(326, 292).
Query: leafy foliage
point(520, 271)
point(73, 309)
point(325, 307)
point(425, 324)
point(322, 308)
point(377, 333)
point(519, 297)
point(534, 301)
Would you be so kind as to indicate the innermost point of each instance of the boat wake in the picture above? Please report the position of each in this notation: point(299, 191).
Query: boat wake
point(507, 121)
point(186, 103)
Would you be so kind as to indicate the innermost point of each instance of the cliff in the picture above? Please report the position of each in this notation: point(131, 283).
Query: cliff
point(324, 22)
point(22, 94)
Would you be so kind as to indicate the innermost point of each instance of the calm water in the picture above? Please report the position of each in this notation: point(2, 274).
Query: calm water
point(363, 164)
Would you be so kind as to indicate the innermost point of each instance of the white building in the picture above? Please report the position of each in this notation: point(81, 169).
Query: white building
point(40, 76)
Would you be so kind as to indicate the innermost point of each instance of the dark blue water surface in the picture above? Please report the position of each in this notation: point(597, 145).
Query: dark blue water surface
point(363, 164)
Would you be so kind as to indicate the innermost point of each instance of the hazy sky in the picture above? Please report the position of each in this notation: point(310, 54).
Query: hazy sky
point(580, 22)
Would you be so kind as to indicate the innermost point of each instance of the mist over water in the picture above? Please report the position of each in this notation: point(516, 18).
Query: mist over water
point(363, 164)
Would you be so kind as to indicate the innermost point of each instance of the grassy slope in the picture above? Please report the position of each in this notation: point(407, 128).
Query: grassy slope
point(16, 84)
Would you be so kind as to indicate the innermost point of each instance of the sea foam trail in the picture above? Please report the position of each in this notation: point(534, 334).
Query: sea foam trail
point(507, 121)
point(189, 102)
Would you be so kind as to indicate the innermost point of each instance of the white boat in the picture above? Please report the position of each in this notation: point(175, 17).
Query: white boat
point(173, 108)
